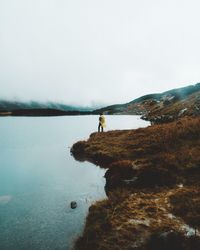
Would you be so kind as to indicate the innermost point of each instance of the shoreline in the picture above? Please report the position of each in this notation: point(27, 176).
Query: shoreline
point(43, 112)
point(153, 187)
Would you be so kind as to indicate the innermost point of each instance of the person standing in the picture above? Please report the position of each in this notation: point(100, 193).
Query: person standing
point(102, 123)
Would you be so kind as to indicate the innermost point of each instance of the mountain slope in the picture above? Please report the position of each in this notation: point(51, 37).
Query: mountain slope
point(157, 108)
point(18, 105)
point(32, 108)
point(162, 106)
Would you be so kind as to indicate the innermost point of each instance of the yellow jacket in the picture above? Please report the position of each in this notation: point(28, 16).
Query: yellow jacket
point(102, 121)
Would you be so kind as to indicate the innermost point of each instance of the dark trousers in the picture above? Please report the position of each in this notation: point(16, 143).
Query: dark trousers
point(100, 127)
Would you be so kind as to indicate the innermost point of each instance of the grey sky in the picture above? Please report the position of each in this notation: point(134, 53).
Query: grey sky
point(108, 51)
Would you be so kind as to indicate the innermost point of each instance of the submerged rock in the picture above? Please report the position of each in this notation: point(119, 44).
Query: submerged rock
point(73, 204)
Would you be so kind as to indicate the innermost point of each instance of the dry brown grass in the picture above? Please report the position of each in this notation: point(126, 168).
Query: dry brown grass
point(145, 202)
point(160, 151)
point(144, 142)
point(135, 222)
point(186, 204)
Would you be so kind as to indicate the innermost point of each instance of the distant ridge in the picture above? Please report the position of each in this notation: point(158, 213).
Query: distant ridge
point(17, 105)
point(157, 107)
point(46, 112)
point(33, 108)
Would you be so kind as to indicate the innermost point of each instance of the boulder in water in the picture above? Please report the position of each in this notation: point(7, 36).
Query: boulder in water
point(73, 204)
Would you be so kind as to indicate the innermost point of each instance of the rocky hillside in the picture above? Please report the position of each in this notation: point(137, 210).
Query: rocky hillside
point(162, 107)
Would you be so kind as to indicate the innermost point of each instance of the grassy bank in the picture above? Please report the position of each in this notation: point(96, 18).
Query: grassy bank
point(152, 184)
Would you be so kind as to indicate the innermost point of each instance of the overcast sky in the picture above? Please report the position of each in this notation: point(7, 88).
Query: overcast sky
point(89, 51)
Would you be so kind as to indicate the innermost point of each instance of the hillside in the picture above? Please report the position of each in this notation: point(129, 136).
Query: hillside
point(157, 108)
point(32, 108)
point(161, 107)
point(13, 105)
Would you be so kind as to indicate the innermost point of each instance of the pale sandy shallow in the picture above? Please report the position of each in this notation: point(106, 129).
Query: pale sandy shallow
point(4, 199)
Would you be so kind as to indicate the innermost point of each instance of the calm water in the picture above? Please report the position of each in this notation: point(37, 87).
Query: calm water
point(39, 178)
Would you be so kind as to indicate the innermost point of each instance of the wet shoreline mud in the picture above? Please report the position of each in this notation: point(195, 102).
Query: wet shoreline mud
point(152, 184)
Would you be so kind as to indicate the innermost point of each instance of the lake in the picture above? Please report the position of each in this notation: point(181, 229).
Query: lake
point(39, 178)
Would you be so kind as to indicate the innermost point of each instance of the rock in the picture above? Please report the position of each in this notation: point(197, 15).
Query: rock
point(145, 222)
point(161, 119)
point(182, 111)
point(180, 185)
point(73, 204)
point(131, 181)
point(166, 240)
point(135, 166)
